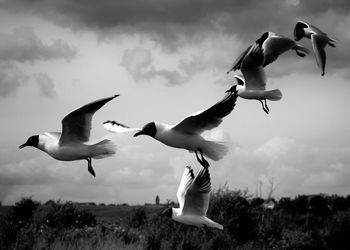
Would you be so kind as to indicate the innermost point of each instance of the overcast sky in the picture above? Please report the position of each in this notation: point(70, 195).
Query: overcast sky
point(168, 59)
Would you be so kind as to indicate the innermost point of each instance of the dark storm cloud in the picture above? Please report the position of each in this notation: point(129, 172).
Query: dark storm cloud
point(188, 17)
point(175, 23)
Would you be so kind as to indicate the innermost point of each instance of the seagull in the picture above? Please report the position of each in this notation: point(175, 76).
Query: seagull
point(193, 195)
point(253, 83)
point(70, 144)
point(186, 133)
point(267, 48)
point(319, 40)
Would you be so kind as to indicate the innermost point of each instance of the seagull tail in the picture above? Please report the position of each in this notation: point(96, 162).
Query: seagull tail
point(273, 95)
point(102, 149)
point(214, 150)
point(302, 49)
point(219, 226)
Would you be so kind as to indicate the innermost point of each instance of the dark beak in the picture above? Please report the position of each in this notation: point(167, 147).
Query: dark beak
point(23, 145)
point(138, 133)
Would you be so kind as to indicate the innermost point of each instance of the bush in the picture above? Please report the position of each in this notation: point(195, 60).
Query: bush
point(61, 216)
point(138, 217)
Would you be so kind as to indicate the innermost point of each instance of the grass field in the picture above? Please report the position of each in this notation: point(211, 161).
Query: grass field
point(117, 214)
point(107, 213)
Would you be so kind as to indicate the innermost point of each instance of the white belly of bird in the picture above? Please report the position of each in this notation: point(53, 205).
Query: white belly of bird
point(69, 152)
point(253, 94)
point(196, 220)
point(179, 140)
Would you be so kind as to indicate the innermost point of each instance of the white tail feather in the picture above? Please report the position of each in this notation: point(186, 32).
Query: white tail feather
point(214, 150)
point(273, 95)
point(102, 149)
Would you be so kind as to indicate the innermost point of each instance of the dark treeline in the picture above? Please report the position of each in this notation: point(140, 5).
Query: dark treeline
point(304, 222)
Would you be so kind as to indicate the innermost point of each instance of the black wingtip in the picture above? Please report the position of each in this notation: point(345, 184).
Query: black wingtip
point(116, 95)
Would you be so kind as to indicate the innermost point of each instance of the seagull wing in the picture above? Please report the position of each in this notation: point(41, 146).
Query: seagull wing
point(319, 41)
point(76, 125)
point(197, 196)
point(274, 46)
point(117, 127)
point(209, 118)
point(185, 183)
point(254, 75)
point(237, 63)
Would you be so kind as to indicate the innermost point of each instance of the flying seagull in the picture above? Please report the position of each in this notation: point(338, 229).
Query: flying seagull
point(267, 48)
point(193, 195)
point(319, 40)
point(253, 83)
point(186, 134)
point(70, 144)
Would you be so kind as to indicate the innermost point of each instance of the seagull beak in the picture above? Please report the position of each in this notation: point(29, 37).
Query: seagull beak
point(139, 133)
point(23, 145)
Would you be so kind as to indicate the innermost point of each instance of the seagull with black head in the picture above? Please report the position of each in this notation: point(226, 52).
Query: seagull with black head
point(319, 41)
point(69, 145)
point(186, 133)
point(193, 195)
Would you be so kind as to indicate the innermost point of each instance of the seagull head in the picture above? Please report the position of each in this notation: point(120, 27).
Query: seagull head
point(32, 141)
point(149, 129)
point(232, 89)
point(262, 39)
point(299, 31)
point(238, 86)
point(167, 212)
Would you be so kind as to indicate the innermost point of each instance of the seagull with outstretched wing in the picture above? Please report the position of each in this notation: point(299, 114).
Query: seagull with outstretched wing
point(267, 49)
point(70, 144)
point(319, 41)
point(193, 195)
point(186, 134)
point(252, 85)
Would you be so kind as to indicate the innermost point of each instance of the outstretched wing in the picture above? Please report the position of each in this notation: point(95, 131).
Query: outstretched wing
point(197, 196)
point(117, 127)
point(274, 46)
point(254, 75)
point(185, 183)
point(319, 42)
point(237, 63)
point(76, 125)
point(209, 118)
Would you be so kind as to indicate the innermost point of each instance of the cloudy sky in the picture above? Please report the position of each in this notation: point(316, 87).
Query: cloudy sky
point(168, 59)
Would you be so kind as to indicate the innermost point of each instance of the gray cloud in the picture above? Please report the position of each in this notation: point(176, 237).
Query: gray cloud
point(175, 23)
point(46, 85)
point(139, 63)
point(187, 17)
point(11, 78)
point(23, 45)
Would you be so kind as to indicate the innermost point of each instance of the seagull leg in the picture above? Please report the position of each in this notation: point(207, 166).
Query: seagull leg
point(262, 104)
point(208, 232)
point(90, 169)
point(300, 53)
point(203, 161)
point(267, 108)
point(199, 160)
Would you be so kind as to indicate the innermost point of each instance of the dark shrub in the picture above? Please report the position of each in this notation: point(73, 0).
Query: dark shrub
point(339, 231)
point(60, 216)
point(138, 217)
point(22, 211)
